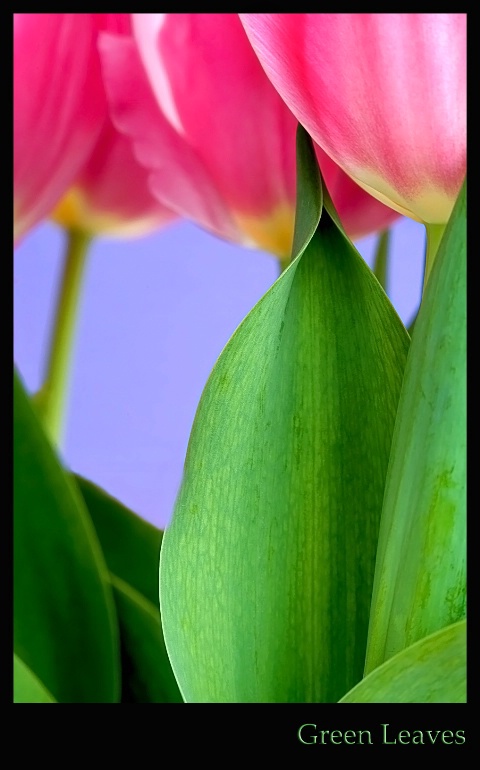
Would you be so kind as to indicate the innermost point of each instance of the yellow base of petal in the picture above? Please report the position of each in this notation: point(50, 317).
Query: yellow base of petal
point(430, 206)
point(272, 232)
point(73, 212)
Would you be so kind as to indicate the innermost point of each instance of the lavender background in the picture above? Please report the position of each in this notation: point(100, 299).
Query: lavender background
point(154, 317)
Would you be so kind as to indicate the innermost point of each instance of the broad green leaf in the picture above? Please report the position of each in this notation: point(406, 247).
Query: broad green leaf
point(266, 569)
point(147, 675)
point(65, 624)
point(132, 548)
point(130, 544)
point(433, 670)
point(27, 688)
point(421, 566)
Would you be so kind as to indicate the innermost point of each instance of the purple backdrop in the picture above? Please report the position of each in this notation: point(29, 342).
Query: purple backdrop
point(155, 314)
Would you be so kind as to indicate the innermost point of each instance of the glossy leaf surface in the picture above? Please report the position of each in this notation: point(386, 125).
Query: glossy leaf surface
point(433, 670)
point(64, 616)
point(266, 570)
point(420, 579)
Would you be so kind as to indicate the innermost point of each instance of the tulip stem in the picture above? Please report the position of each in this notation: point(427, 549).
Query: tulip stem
point(51, 398)
point(434, 237)
point(380, 262)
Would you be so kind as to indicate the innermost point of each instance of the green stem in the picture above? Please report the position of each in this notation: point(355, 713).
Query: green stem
point(410, 327)
point(434, 236)
point(380, 262)
point(51, 398)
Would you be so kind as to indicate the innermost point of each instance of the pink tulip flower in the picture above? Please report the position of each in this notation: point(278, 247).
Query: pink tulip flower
point(217, 138)
point(384, 95)
point(111, 195)
point(59, 108)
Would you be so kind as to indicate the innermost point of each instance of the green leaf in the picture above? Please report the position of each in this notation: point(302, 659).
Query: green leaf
point(27, 688)
point(147, 675)
point(266, 569)
point(420, 576)
point(132, 548)
point(130, 544)
point(433, 670)
point(64, 616)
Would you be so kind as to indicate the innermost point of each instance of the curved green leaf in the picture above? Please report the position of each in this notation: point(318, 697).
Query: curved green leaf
point(147, 675)
point(130, 544)
point(27, 688)
point(420, 578)
point(266, 569)
point(132, 548)
point(433, 670)
point(64, 616)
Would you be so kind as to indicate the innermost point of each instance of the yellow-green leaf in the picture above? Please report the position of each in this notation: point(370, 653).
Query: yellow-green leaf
point(27, 688)
point(433, 670)
point(420, 578)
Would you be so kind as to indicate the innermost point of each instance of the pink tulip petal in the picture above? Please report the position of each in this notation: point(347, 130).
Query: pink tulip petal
point(111, 195)
point(383, 94)
point(222, 104)
point(178, 179)
point(229, 134)
point(359, 212)
point(55, 125)
point(223, 156)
